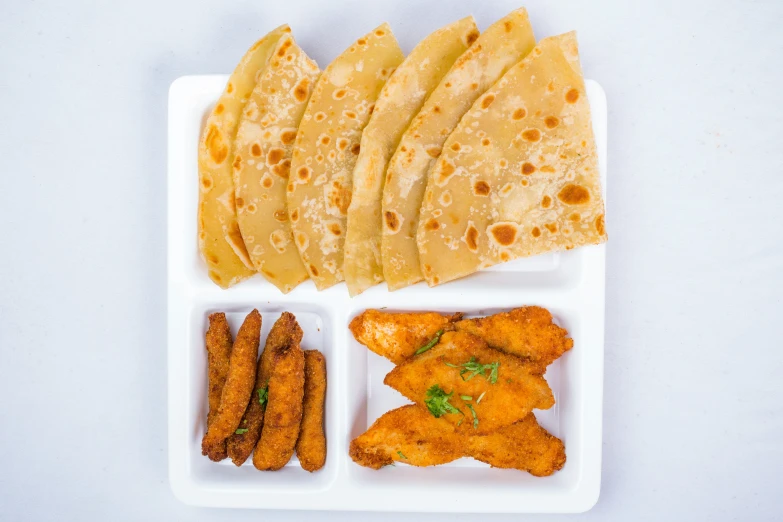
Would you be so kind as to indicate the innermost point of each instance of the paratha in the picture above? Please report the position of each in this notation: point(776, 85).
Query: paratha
point(519, 175)
point(219, 239)
point(262, 162)
point(326, 148)
point(400, 100)
point(502, 45)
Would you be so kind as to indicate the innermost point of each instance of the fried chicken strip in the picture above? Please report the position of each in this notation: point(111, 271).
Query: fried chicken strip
point(283, 415)
point(410, 434)
point(463, 367)
point(311, 445)
point(527, 332)
point(285, 332)
point(397, 336)
point(219, 344)
point(237, 389)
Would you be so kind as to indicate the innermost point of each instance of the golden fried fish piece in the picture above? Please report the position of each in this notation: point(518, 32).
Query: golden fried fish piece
point(527, 332)
point(285, 332)
point(283, 415)
point(237, 389)
point(219, 343)
point(473, 386)
point(311, 445)
point(397, 336)
point(410, 434)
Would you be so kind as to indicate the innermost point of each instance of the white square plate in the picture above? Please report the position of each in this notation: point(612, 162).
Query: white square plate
point(569, 284)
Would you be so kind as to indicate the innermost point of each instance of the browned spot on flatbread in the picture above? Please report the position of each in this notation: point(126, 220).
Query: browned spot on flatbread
point(432, 224)
point(239, 202)
point(436, 109)
point(304, 173)
point(216, 145)
point(342, 143)
point(532, 135)
point(572, 96)
point(339, 94)
point(487, 100)
point(301, 89)
point(255, 150)
point(361, 41)
point(519, 114)
point(536, 232)
point(325, 140)
point(575, 217)
point(219, 109)
point(335, 229)
point(473, 86)
point(274, 156)
point(206, 182)
point(481, 188)
point(528, 168)
point(573, 195)
point(230, 88)
point(380, 32)
point(508, 26)
point(237, 162)
point(433, 152)
point(549, 169)
point(212, 259)
point(552, 227)
point(504, 234)
point(392, 221)
point(455, 147)
point(320, 116)
point(446, 171)
point(355, 149)
point(472, 36)
point(471, 238)
point(546, 201)
point(295, 215)
point(340, 198)
point(313, 271)
point(551, 122)
point(283, 169)
point(599, 224)
point(281, 215)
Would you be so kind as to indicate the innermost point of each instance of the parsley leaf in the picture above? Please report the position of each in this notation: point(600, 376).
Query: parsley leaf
point(401, 455)
point(431, 343)
point(474, 368)
point(437, 401)
point(475, 418)
point(466, 397)
point(241, 431)
point(263, 394)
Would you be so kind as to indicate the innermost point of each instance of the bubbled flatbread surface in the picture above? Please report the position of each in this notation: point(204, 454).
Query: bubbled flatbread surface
point(503, 44)
point(519, 176)
point(401, 98)
point(263, 147)
point(219, 239)
point(326, 148)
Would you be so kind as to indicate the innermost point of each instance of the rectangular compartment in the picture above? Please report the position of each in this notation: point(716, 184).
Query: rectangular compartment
point(569, 284)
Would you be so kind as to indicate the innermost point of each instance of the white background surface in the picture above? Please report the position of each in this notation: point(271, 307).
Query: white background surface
point(693, 420)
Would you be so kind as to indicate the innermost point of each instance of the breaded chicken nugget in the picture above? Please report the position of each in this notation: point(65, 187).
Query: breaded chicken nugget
point(285, 332)
point(397, 336)
point(524, 445)
point(283, 415)
point(311, 445)
point(470, 384)
point(237, 389)
point(527, 332)
point(219, 343)
point(412, 436)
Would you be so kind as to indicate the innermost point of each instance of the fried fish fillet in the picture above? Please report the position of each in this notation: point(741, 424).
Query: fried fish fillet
point(237, 389)
point(311, 445)
point(479, 389)
point(410, 434)
point(283, 415)
point(285, 332)
point(397, 336)
point(527, 332)
point(219, 344)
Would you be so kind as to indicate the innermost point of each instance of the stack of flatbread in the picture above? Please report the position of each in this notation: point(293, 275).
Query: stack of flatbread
point(474, 150)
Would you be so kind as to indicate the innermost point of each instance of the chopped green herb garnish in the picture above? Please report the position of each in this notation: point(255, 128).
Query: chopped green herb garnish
point(476, 368)
point(475, 418)
point(263, 394)
point(480, 397)
point(401, 455)
point(466, 397)
point(437, 401)
point(460, 421)
point(241, 431)
point(431, 343)
point(244, 421)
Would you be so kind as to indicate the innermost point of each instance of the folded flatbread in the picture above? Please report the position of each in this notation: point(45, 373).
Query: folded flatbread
point(502, 45)
point(327, 145)
point(400, 100)
point(262, 162)
point(219, 239)
point(519, 175)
